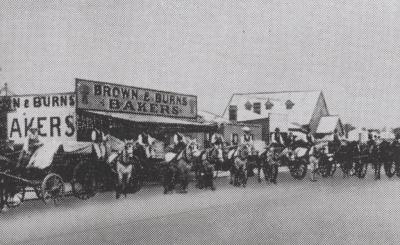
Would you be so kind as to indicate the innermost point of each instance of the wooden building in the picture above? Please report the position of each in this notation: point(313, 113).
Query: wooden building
point(288, 111)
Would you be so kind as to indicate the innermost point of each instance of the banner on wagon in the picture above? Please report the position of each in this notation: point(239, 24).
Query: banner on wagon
point(52, 114)
point(110, 97)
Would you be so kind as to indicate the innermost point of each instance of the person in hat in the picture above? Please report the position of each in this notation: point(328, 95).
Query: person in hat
point(247, 137)
point(217, 140)
point(396, 149)
point(179, 143)
point(146, 141)
point(290, 139)
point(309, 136)
point(99, 140)
point(31, 144)
point(314, 161)
point(276, 138)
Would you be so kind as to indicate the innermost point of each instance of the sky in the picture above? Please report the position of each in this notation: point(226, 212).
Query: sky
point(349, 49)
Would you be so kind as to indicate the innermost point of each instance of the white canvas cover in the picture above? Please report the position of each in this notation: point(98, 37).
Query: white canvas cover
point(43, 157)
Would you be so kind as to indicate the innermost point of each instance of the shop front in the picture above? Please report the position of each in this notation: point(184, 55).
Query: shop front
point(121, 110)
point(127, 111)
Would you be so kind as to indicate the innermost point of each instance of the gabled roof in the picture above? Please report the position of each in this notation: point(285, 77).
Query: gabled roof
point(328, 124)
point(304, 105)
point(211, 117)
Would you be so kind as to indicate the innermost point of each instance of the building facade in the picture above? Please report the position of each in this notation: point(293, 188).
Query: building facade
point(288, 111)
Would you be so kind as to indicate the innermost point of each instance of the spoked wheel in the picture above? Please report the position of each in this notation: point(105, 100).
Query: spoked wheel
point(12, 193)
point(83, 182)
point(390, 169)
point(397, 167)
point(299, 170)
point(135, 183)
point(12, 198)
point(53, 188)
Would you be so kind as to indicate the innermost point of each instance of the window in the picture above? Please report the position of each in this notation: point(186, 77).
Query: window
point(268, 105)
point(252, 137)
point(257, 107)
point(248, 105)
point(235, 139)
point(232, 113)
point(289, 104)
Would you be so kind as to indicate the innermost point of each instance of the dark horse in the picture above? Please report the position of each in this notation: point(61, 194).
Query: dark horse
point(177, 166)
point(387, 153)
point(205, 165)
point(353, 158)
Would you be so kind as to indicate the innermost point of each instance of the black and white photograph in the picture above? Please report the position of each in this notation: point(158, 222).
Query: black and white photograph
point(199, 122)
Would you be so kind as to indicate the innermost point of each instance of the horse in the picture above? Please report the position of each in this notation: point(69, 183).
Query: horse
point(271, 160)
point(374, 159)
point(239, 166)
point(125, 165)
point(177, 166)
point(386, 157)
point(208, 160)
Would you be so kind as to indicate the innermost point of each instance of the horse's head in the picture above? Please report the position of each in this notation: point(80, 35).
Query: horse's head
point(244, 151)
point(129, 147)
point(273, 153)
point(191, 150)
point(215, 154)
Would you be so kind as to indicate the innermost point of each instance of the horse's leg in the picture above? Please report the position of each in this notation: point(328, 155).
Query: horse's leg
point(2, 193)
point(166, 179)
point(118, 187)
point(211, 177)
point(258, 162)
point(275, 175)
point(184, 179)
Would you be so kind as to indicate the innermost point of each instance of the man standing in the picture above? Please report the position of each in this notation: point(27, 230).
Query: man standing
point(31, 144)
point(99, 141)
point(290, 139)
point(276, 138)
point(372, 153)
point(217, 140)
point(313, 158)
point(179, 143)
point(247, 137)
point(145, 140)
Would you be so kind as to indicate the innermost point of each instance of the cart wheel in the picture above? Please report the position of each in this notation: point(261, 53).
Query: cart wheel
point(53, 188)
point(83, 182)
point(16, 199)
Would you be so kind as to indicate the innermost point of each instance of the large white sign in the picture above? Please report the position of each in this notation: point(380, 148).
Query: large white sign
point(52, 114)
point(121, 98)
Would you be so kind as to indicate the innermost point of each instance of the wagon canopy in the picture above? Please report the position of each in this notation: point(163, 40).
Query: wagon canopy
point(43, 157)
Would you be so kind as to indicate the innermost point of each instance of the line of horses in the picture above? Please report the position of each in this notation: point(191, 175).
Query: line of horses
point(131, 166)
point(353, 159)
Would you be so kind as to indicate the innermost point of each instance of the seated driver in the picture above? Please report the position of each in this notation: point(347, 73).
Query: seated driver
point(99, 140)
point(145, 140)
point(31, 144)
point(217, 141)
point(179, 143)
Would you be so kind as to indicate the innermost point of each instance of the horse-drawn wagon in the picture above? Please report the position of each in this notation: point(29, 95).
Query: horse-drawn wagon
point(50, 167)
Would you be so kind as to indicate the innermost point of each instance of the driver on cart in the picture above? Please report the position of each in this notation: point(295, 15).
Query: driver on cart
point(99, 140)
point(31, 144)
point(217, 141)
point(146, 141)
point(179, 143)
point(276, 139)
